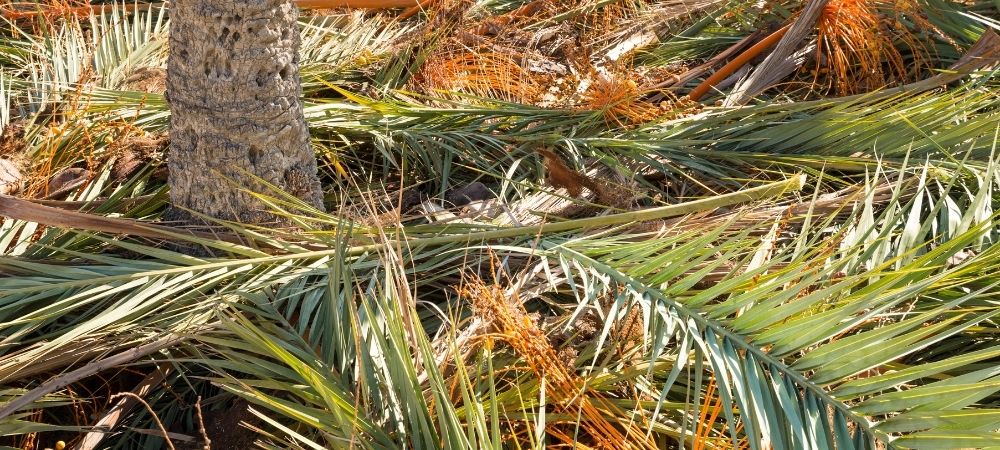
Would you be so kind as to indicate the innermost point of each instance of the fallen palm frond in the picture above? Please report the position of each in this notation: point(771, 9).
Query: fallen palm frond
point(695, 72)
point(629, 256)
point(697, 293)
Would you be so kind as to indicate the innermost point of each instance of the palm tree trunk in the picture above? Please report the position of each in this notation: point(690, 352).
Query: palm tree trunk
point(236, 115)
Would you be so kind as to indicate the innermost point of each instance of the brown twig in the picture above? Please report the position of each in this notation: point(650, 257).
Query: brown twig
point(201, 425)
point(116, 412)
point(166, 436)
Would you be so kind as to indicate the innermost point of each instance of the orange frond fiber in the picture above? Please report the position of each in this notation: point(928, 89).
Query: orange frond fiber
point(50, 9)
point(855, 45)
point(706, 418)
point(495, 75)
point(565, 388)
point(608, 18)
point(706, 429)
point(620, 101)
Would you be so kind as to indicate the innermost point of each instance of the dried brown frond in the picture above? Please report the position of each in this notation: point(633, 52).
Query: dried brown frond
point(497, 57)
point(562, 177)
point(567, 390)
point(48, 10)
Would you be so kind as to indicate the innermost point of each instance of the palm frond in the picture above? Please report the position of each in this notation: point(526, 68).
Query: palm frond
point(732, 302)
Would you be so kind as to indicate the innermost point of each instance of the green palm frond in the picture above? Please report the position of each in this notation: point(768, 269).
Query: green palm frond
point(123, 43)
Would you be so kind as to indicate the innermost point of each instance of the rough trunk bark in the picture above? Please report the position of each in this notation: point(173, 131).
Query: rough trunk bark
point(236, 116)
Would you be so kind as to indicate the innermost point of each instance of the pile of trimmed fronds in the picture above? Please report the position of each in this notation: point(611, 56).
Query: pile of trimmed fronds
point(695, 225)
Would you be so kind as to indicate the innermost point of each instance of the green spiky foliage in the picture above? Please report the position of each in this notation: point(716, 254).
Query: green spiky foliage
point(796, 275)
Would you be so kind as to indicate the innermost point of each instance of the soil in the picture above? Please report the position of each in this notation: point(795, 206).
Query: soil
point(138, 152)
point(469, 193)
point(147, 79)
point(225, 429)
